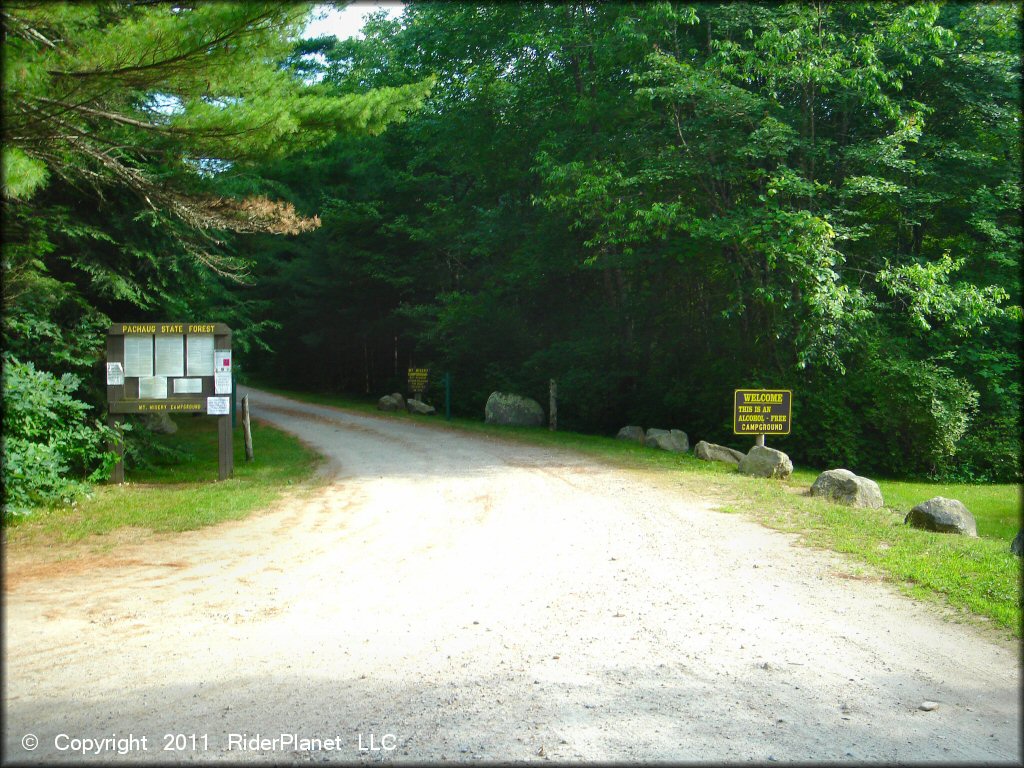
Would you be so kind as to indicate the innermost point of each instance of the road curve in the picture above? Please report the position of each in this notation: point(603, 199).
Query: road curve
point(454, 597)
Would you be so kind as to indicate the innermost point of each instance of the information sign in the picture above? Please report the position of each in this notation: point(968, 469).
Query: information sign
point(222, 361)
point(169, 359)
point(115, 374)
point(218, 406)
point(171, 368)
point(153, 388)
point(761, 411)
point(138, 356)
point(418, 379)
point(200, 355)
point(188, 386)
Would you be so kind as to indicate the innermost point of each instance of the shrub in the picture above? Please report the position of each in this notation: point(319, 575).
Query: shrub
point(919, 412)
point(51, 450)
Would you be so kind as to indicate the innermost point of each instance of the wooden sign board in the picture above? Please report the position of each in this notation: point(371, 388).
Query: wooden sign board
point(418, 380)
point(172, 368)
point(761, 411)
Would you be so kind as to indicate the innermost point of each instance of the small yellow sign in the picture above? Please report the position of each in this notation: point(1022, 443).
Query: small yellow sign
point(418, 379)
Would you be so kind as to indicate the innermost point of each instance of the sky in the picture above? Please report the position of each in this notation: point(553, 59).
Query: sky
point(349, 22)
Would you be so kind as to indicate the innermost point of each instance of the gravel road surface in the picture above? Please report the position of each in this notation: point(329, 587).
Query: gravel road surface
point(452, 597)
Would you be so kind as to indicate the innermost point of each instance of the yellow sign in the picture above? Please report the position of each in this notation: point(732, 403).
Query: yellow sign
point(124, 329)
point(761, 411)
point(151, 406)
point(418, 379)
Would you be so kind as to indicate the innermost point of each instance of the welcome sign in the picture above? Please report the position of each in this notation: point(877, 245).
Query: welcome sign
point(761, 411)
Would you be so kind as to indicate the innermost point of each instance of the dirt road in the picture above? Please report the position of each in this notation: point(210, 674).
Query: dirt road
point(447, 597)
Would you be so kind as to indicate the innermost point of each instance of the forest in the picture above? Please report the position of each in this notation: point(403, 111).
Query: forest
point(652, 203)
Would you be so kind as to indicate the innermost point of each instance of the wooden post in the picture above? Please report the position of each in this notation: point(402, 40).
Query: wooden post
point(448, 396)
point(226, 452)
point(117, 474)
point(553, 405)
point(246, 433)
point(225, 434)
point(759, 441)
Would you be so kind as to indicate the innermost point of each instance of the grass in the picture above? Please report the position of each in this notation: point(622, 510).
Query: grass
point(183, 496)
point(996, 507)
point(976, 575)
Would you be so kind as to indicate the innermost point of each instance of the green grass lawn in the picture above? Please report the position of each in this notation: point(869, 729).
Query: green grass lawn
point(181, 496)
point(978, 575)
point(996, 507)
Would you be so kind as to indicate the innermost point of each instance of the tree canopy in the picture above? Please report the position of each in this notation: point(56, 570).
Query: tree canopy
point(152, 94)
point(656, 203)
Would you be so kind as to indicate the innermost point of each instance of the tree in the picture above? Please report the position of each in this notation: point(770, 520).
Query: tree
point(153, 95)
point(656, 203)
point(130, 137)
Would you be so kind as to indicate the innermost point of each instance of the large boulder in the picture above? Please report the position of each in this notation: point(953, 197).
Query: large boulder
point(160, 422)
point(399, 400)
point(711, 452)
point(635, 434)
point(512, 410)
point(674, 440)
point(1017, 545)
point(841, 486)
point(387, 403)
point(417, 406)
point(762, 461)
point(944, 516)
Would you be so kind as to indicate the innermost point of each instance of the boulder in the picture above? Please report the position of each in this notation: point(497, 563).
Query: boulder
point(766, 462)
point(944, 516)
point(387, 403)
point(1017, 546)
point(418, 406)
point(399, 400)
point(841, 486)
point(512, 410)
point(636, 434)
point(674, 440)
point(711, 452)
point(160, 422)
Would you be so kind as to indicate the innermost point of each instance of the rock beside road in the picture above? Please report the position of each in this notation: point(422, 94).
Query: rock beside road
point(712, 452)
point(161, 423)
point(673, 440)
point(843, 487)
point(387, 403)
point(1017, 545)
point(762, 461)
point(635, 434)
point(418, 406)
point(943, 515)
point(512, 410)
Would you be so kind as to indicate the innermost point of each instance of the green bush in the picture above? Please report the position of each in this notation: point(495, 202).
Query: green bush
point(990, 451)
point(895, 416)
point(51, 450)
point(836, 434)
point(918, 411)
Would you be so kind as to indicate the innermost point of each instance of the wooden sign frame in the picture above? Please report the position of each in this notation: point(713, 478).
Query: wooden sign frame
point(188, 382)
